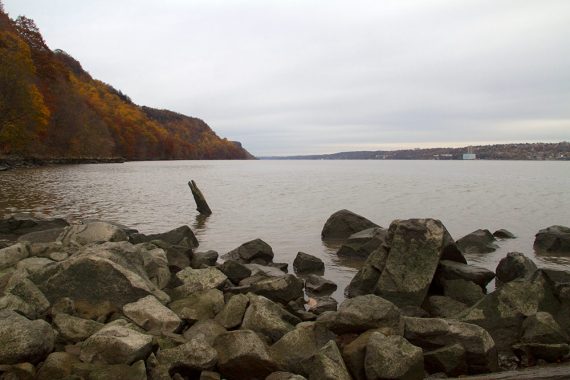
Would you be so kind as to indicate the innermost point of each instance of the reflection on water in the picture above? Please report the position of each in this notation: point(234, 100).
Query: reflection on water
point(287, 202)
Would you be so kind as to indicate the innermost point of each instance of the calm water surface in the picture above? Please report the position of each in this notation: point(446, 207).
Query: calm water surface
point(286, 203)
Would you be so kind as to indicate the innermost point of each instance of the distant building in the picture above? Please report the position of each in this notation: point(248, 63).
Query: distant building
point(469, 156)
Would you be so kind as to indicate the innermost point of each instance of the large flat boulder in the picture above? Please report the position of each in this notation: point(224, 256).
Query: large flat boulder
point(344, 223)
point(92, 232)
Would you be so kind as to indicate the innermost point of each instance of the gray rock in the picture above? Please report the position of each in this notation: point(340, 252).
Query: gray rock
point(24, 340)
point(319, 305)
point(58, 365)
point(235, 271)
point(155, 264)
point(444, 307)
point(11, 255)
point(433, 333)
point(463, 291)
point(180, 236)
point(354, 353)
point(305, 263)
point(207, 330)
point(242, 355)
point(363, 243)
point(195, 355)
point(136, 371)
point(33, 264)
point(254, 251)
point(15, 303)
point(300, 344)
point(268, 319)
point(201, 259)
point(151, 315)
point(479, 241)
point(73, 329)
point(416, 247)
point(362, 313)
point(284, 376)
point(29, 293)
point(503, 234)
point(542, 328)
point(450, 270)
point(210, 375)
point(232, 314)
point(344, 223)
point(515, 265)
point(554, 239)
point(365, 280)
point(116, 344)
point(93, 232)
point(532, 352)
point(45, 236)
point(279, 289)
point(21, 224)
point(448, 359)
point(201, 305)
point(326, 364)
point(392, 357)
point(319, 285)
point(200, 279)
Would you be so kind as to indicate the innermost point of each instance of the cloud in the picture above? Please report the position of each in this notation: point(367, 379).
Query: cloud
point(301, 77)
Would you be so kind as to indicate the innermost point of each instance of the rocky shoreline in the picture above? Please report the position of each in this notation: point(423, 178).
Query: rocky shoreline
point(99, 300)
point(32, 162)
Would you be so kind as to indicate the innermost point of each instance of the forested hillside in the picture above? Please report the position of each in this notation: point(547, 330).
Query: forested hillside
point(50, 107)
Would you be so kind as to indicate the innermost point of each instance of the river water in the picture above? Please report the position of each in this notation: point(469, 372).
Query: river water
point(286, 203)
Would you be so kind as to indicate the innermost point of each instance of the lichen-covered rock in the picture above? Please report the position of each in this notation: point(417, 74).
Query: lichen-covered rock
point(515, 265)
point(235, 271)
point(354, 353)
point(232, 314)
point(554, 239)
point(155, 264)
point(463, 291)
point(180, 236)
point(201, 279)
point(11, 255)
point(326, 364)
point(29, 293)
point(58, 365)
point(366, 279)
point(444, 307)
point(23, 340)
point(116, 343)
point(268, 318)
point(319, 285)
point(448, 359)
point(279, 289)
point(319, 305)
point(305, 263)
point(204, 259)
point(479, 241)
point(195, 355)
point(344, 223)
point(451, 270)
point(433, 333)
point(242, 355)
point(542, 328)
point(300, 344)
point(254, 251)
point(362, 313)
point(392, 357)
point(151, 315)
point(363, 243)
point(92, 232)
point(201, 305)
point(207, 330)
point(73, 329)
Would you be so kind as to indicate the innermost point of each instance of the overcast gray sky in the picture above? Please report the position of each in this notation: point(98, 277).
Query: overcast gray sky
point(301, 77)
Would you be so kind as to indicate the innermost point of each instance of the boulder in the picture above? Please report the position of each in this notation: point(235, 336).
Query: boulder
point(180, 236)
point(178, 257)
point(29, 293)
point(479, 241)
point(207, 330)
point(136, 371)
point(92, 232)
point(24, 340)
point(444, 307)
point(15, 303)
point(392, 357)
point(353, 354)
point(363, 243)
point(254, 251)
point(503, 234)
point(299, 344)
point(58, 365)
point(155, 264)
point(151, 315)
point(232, 314)
point(193, 356)
point(530, 353)
point(73, 329)
point(242, 355)
point(21, 224)
point(362, 313)
point(463, 291)
point(326, 364)
point(319, 285)
point(200, 305)
point(235, 271)
point(451, 270)
point(515, 265)
point(33, 264)
point(434, 333)
point(200, 279)
point(116, 343)
point(204, 259)
point(365, 280)
point(319, 305)
point(268, 319)
point(45, 236)
point(542, 328)
point(305, 263)
point(280, 375)
point(279, 289)
point(344, 223)
point(416, 248)
point(448, 359)
point(11, 255)
point(554, 239)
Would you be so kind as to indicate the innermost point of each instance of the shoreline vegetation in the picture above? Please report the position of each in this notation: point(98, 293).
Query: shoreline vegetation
point(98, 300)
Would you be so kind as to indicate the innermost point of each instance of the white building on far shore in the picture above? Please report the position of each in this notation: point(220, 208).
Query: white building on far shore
point(469, 156)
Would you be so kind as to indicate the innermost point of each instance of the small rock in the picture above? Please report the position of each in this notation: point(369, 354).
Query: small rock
point(515, 265)
point(201, 305)
point(503, 234)
point(207, 330)
point(344, 223)
point(232, 314)
point(319, 305)
point(254, 251)
point(392, 357)
point(451, 270)
point(195, 355)
point(202, 259)
point(235, 271)
point(58, 365)
point(10, 256)
point(479, 241)
point(305, 263)
point(280, 289)
point(151, 315)
point(202, 279)
point(319, 285)
point(363, 243)
point(180, 236)
point(448, 359)
point(73, 329)
point(268, 318)
point(463, 291)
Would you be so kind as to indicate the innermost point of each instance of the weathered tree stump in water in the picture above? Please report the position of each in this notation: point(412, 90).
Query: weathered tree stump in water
point(203, 207)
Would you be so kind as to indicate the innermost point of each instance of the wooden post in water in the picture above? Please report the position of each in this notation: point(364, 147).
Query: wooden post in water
point(203, 207)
